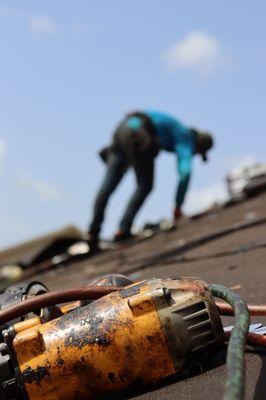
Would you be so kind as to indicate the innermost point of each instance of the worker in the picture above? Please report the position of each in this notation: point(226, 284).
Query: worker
point(136, 142)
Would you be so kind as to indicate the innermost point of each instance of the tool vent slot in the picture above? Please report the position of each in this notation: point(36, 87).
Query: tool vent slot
point(198, 324)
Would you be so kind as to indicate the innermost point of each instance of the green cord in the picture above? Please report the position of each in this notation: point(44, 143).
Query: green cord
point(235, 360)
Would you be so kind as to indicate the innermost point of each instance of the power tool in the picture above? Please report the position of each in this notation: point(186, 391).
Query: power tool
point(133, 338)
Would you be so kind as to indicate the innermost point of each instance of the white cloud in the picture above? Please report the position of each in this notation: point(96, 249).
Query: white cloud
point(41, 24)
point(201, 199)
point(2, 153)
point(45, 191)
point(198, 51)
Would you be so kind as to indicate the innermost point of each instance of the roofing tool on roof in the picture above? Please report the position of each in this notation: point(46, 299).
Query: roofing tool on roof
point(134, 337)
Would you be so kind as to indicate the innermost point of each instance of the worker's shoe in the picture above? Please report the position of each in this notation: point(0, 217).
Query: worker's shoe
point(93, 242)
point(121, 236)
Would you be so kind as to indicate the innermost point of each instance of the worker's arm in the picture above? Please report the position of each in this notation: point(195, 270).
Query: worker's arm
point(184, 153)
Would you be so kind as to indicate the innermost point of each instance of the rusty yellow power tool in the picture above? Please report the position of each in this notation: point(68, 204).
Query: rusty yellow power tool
point(130, 339)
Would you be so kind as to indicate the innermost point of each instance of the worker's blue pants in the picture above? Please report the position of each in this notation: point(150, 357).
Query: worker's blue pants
point(116, 168)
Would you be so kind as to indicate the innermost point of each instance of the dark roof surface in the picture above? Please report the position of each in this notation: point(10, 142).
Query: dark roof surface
point(236, 260)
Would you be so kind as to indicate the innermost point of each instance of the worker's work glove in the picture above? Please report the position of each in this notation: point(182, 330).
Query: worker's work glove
point(177, 214)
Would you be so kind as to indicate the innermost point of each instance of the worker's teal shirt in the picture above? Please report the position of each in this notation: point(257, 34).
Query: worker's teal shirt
point(174, 137)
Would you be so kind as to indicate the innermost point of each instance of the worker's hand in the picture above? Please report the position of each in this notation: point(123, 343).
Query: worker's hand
point(177, 214)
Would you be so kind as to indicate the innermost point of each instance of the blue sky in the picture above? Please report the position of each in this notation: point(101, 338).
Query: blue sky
point(70, 70)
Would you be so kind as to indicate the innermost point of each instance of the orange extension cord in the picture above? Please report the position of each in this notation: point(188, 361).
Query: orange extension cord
point(255, 310)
